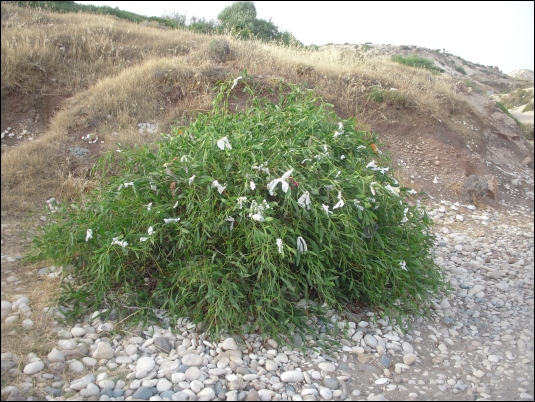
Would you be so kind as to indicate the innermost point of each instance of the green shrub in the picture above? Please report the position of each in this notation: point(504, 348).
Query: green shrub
point(417, 61)
point(219, 50)
point(503, 108)
point(377, 94)
point(242, 215)
point(460, 69)
point(528, 107)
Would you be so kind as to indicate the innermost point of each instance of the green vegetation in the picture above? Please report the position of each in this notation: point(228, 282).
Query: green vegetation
point(460, 69)
point(418, 62)
point(517, 98)
point(528, 107)
point(238, 19)
point(506, 111)
point(244, 214)
point(391, 97)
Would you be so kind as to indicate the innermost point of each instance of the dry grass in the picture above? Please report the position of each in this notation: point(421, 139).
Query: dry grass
point(121, 74)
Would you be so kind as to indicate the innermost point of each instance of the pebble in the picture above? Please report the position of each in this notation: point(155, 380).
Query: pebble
point(477, 338)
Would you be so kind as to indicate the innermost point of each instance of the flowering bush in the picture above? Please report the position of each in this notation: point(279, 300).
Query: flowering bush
point(238, 216)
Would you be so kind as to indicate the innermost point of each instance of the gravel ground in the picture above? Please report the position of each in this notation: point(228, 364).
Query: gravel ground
point(477, 345)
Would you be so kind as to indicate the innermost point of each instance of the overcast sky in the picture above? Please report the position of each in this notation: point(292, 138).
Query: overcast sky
point(494, 33)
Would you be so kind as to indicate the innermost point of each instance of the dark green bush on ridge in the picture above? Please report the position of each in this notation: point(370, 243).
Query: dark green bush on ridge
point(242, 215)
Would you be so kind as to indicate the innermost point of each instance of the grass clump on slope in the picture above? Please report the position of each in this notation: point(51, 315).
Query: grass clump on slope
point(238, 216)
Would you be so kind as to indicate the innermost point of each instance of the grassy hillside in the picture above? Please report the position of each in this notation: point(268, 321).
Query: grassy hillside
point(107, 76)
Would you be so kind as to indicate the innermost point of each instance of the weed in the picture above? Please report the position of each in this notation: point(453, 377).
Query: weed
point(528, 107)
point(460, 69)
point(219, 50)
point(243, 214)
point(417, 61)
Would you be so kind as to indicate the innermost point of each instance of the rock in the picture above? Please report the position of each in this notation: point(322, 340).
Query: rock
point(81, 383)
point(78, 332)
point(162, 344)
point(229, 344)
point(271, 365)
point(252, 395)
point(103, 351)
point(370, 341)
point(326, 393)
point(207, 393)
point(56, 356)
point(292, 376)
point(76, 366)
point(164, 385)
point(28, 324)
point(409, 359)
point(15, 396)
point(32, 368)
point(192, 360)
point(12, 319)
point(143, 393)
point(145, 363)
point(193, 373)
point(330, 383)
point(6, 308)
point(474, 188)
point(327, 366)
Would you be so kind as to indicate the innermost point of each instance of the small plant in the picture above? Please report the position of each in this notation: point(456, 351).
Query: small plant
point(377, 94)
point(365, 47)
point(506, 111)
point(219, 50)
point(238, 217)
point(418, 62)
point(528, 107)
point(460, 69)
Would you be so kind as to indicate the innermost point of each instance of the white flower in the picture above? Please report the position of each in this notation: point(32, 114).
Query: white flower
point(262, 167)
point(411, 191)
point(403, 265)
point(329, 187)
point(371, 187)
point(340, 130)
point(304, 200)
point(257, 211)
point(252, 185)
point(236, 82)
point(169, 220)
point(149, 206)
point(224, 143)
point(326, 209)
point(373, 166)
point(240, 201)
point(231, 220)
point(305, 160)
point(342, 157)
point(340, 202)
point(361, 146)
point(153, 187)
point(393, 190)
point(119, 151)
point(220, 188)
point(120, 243)
point(143, 238)
point(273, 183)
point(405, 219)
point(301, 245)
point(337, 174)
point(88, 234)
point(128, 184)
point(183, 158)
point(191, 180)
point(279, 245)
point(257, 217)
point(357, 204)
point(325, 148)
point(176, 205)
point(150, 231)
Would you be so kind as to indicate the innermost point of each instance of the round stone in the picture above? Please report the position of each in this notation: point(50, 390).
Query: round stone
point(55, 356)
point(67, 344)
point(327, 366)
point(193, 373)
point(206, 393)
point(229, 344)
point(409, 359)
point(192, 360)
point(104, 351)
point(76, 366)
point(292, 376)
point(330, 383)
point(145, 363)
point(89, 361)
point(271, 365)
point(32, 368)
point(370, 341)
point(78, 332)
point(164, 385)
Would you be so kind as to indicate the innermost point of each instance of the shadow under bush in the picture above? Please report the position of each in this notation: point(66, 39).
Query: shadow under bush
point(237, 217)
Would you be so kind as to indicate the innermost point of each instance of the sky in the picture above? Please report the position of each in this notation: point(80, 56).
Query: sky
point(496, 33)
